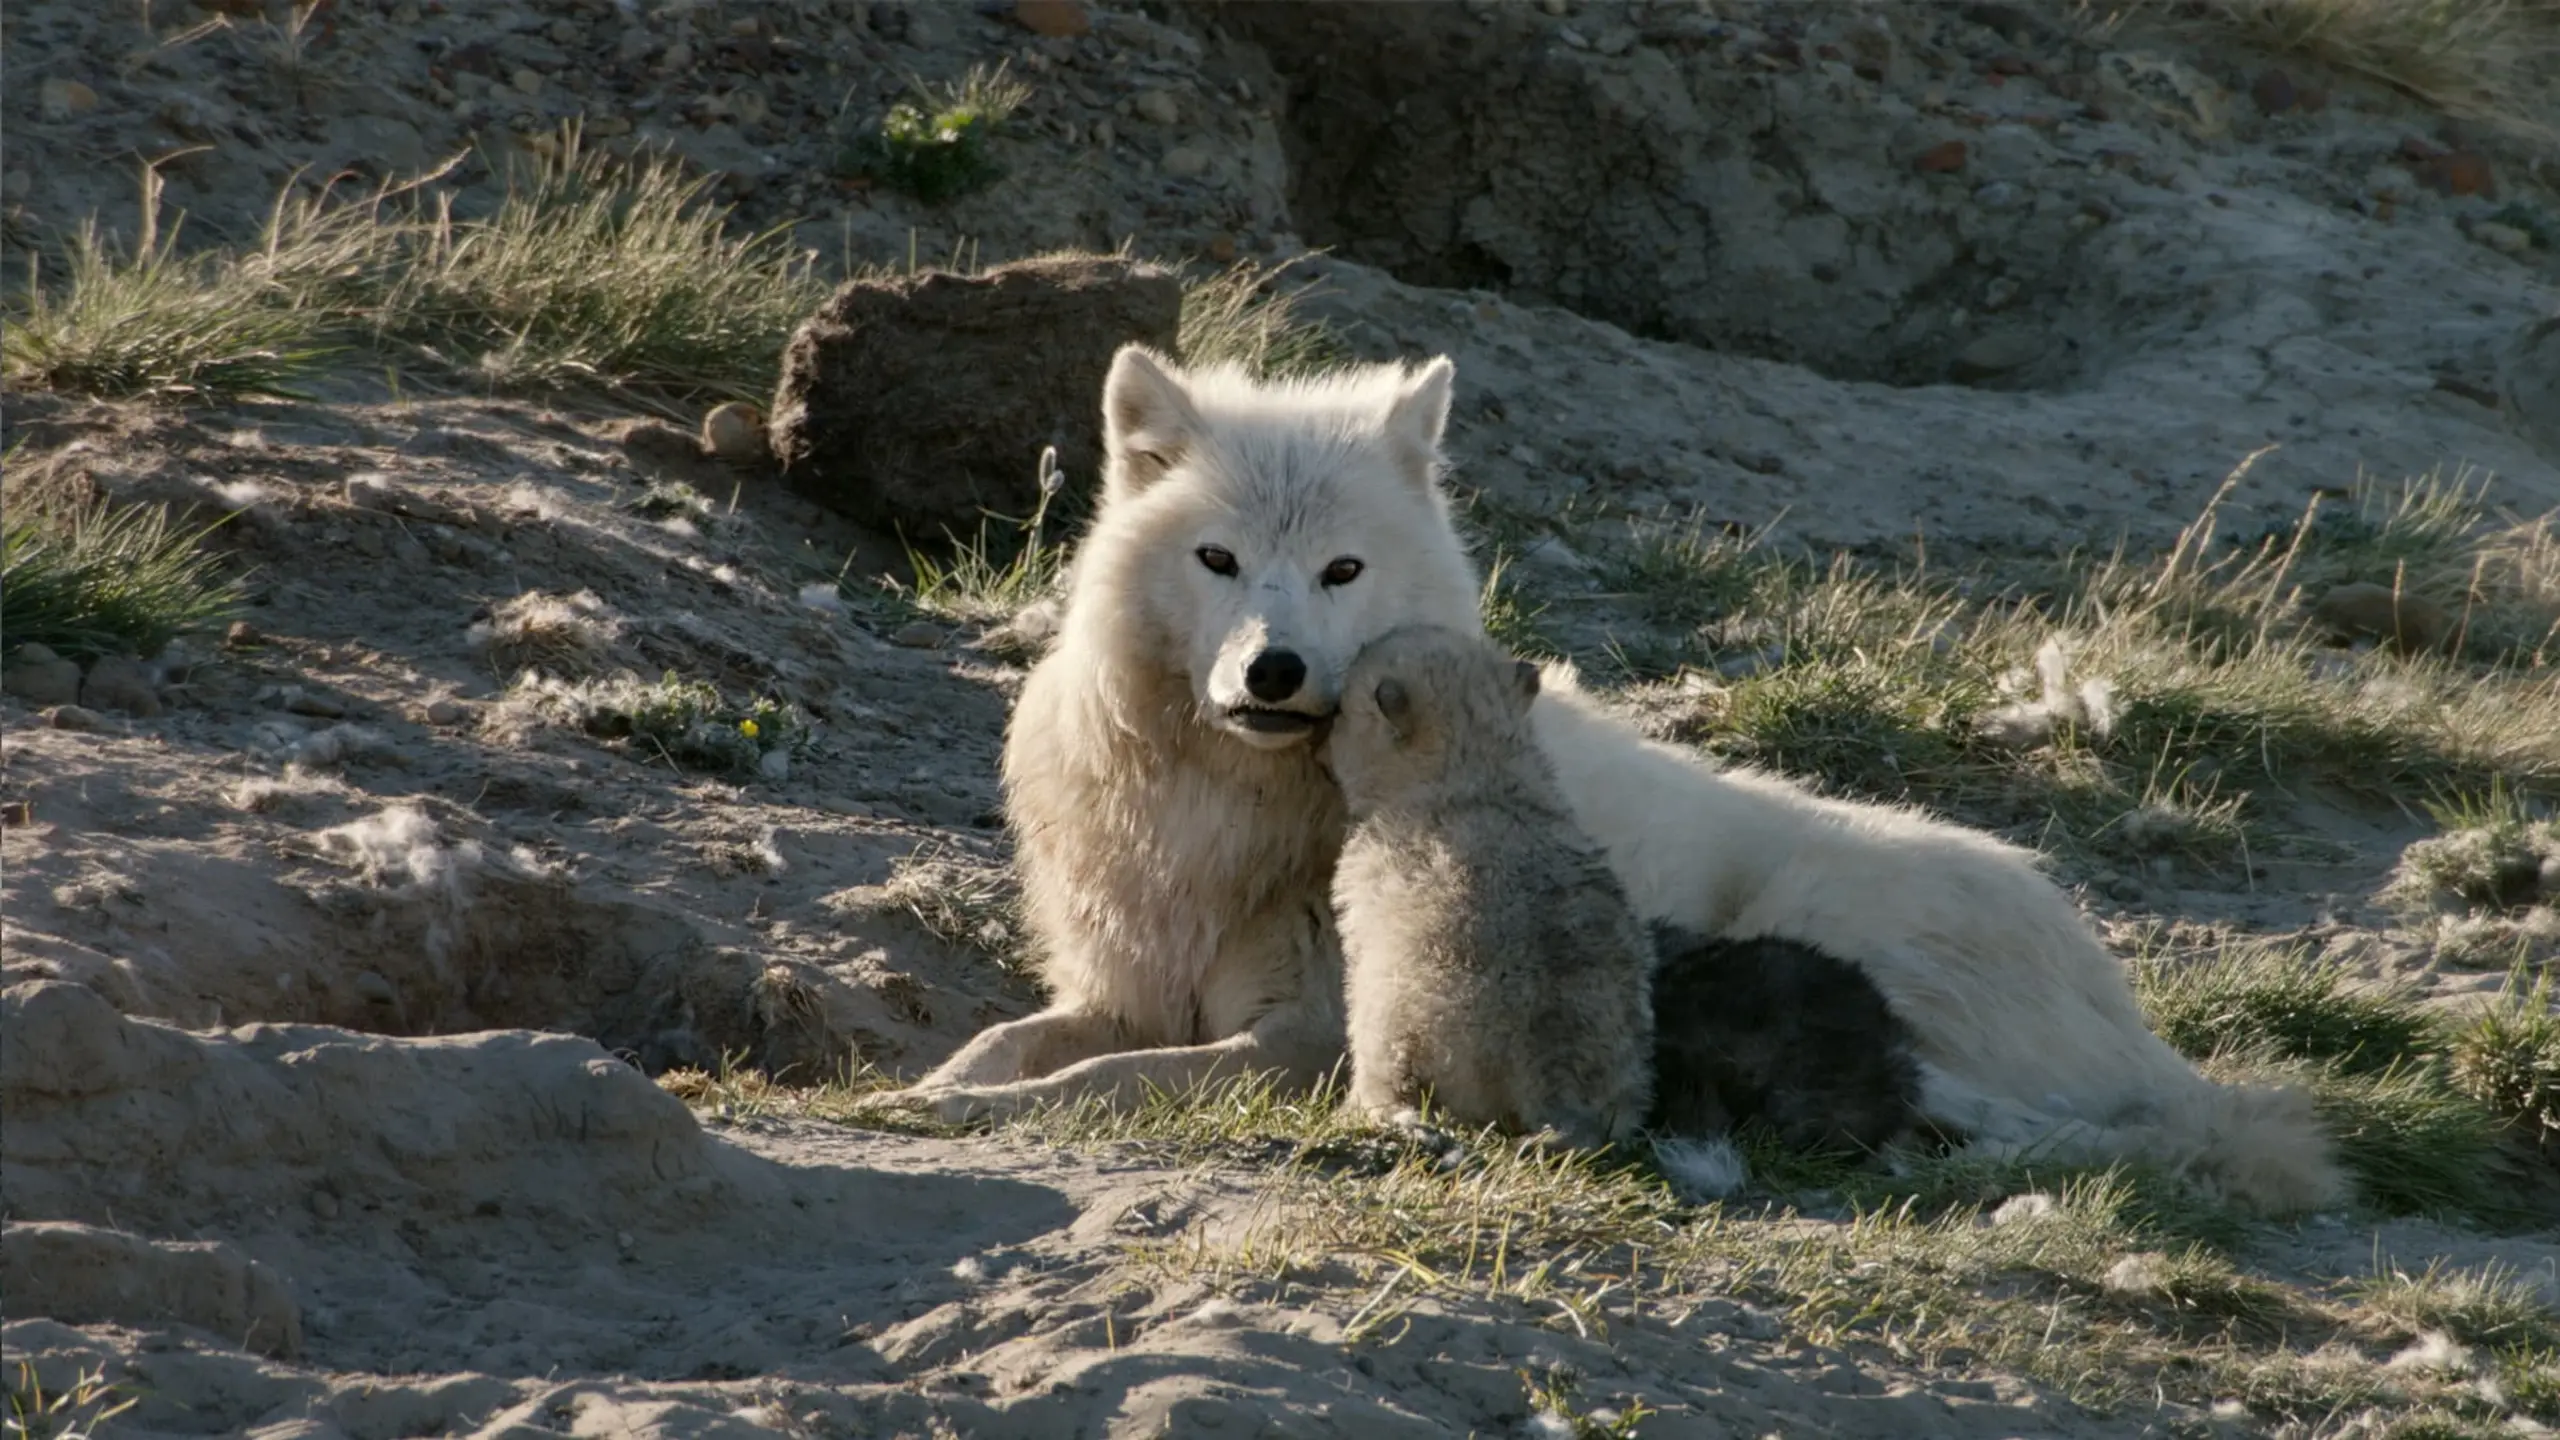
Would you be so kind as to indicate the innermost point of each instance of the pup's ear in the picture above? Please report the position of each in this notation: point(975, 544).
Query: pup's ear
point(1394, 704)
point(1148, 420)
point(1524, 679)
point(1418, 417)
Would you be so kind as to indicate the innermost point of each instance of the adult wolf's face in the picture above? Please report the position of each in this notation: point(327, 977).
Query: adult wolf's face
point(1268, 531)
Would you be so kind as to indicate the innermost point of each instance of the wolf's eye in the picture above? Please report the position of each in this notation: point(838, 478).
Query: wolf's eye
point(1218, 558)
point(1343, 571)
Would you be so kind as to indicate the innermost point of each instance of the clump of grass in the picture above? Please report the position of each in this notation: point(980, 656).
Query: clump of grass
point(568, 637)
point(2478, 59)
point(973, 586)
point(103, 579)
point(1241, 316)
point(1683, 576)
point(2508, 1058)
point(593, 272)
point(934, 145)
point(2382, 1070)
point(2286, 1002)
point(70, 1414)
point(2489, 1306)
point(2495, 855)
point(149, 321)
point(686, 723)
point(2415, 1142)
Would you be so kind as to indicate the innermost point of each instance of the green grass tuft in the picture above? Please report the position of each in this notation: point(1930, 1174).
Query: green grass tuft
point(2508, 1058)
point(148, 321)
point(2285, 1002)
point(108, 580)
point(934, 145)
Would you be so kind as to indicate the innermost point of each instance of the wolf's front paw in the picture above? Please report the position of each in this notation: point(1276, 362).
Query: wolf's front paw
point(954, 1104)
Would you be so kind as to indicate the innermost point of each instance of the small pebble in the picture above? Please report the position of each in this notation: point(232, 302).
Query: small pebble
point(1156, 106)
point(734, 431)
point(446, 710)
point(1941, 159)
point(1185, 162)
point(72, 717)
point(316, 704)
point(917, 635)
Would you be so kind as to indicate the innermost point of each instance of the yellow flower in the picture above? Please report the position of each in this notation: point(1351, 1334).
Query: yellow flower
point(747, 728)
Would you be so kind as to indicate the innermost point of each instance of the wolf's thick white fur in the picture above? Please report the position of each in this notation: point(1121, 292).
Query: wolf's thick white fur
point(1176, 838)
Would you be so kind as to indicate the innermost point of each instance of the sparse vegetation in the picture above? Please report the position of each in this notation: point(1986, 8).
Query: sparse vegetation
point(2495, 856)
point(684, 723)
point(2488, 1306)
point(973, 906)
point(74, 1413)
point(103, 579)
point(1241, 316)
point(2385, 1072)
point(2116, 1286)
point(972, 585)
point(2508, 1058)
point(934, 145)
point(2210, 683)
point(150, 321)
point(593, 272)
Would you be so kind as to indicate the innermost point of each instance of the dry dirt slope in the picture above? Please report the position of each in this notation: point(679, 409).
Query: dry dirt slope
point(344, 835)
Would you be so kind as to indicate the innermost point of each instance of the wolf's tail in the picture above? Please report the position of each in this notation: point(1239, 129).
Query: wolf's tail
point(2261, 1145)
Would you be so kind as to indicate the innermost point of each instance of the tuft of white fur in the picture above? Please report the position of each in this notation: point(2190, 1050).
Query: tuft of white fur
point(2027, 1209)
point(333, 747)
point(2030, 723)
point(2142, 1274)
point(2435, 1353)
point(969, 1270)
point(401, 851)
point(1701, 1170)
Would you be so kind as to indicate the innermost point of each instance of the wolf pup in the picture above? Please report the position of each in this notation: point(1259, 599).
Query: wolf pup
point(1491, 960)
point(1777, 1032)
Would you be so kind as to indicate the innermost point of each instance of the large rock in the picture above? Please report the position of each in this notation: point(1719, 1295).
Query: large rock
point(923, 402)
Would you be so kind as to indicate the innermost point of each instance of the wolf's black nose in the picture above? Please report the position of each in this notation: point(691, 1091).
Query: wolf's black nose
point(1275, 675)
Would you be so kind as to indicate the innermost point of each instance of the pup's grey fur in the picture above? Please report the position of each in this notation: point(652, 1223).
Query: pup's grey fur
point(1778, 1032)
point(1491, 957)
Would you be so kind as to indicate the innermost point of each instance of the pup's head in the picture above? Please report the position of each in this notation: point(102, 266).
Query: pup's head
point(1254, 535)
point(1425, 703)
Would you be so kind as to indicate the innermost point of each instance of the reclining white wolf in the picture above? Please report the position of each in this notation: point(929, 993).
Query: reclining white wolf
point(1176, 836)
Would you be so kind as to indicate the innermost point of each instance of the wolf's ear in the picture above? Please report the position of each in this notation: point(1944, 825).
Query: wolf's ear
point(1417, 418)
point(1394, 704)
point(1524, 679)
point(1148, 420)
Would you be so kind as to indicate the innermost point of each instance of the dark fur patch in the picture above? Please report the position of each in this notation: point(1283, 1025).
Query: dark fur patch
point(1781, 1033)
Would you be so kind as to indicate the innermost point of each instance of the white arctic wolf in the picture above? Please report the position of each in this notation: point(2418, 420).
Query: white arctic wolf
point(1176, 837)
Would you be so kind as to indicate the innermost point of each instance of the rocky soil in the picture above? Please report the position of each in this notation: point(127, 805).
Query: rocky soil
point(338, 971)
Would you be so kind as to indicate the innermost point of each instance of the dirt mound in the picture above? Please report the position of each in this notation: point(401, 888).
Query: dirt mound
point(926, 401)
